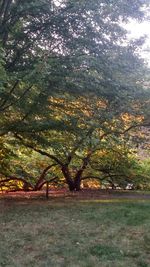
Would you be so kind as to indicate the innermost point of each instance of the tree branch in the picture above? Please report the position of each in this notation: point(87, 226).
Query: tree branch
point(93, 177)
point(44, 153)
point(43, 174)
point(71, 154)
point(50, 181)
point(14, 178)
point(18, 99)
point(6, 99)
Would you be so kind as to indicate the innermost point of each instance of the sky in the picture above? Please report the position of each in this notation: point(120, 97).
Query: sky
point(137, 30)
point(140, 29)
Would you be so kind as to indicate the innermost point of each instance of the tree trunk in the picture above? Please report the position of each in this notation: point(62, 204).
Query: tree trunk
point(68, 178)
point(71, 186)
point(77, 178)
point(77, 183)
point(26, 187)
point(47, 190)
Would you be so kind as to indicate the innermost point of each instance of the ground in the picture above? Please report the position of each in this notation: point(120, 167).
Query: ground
point(85, 194)
point(86, 229)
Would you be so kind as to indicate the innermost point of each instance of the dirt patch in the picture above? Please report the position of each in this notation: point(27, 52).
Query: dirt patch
point(83, 194)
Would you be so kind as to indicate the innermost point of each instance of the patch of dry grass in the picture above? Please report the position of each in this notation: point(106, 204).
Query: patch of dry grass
point(38, 233)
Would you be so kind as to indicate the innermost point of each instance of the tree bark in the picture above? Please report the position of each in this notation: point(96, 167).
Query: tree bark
point(47, 190)
point(77, 184)
point(78, 176)
point(41, 179)
point(68, 178)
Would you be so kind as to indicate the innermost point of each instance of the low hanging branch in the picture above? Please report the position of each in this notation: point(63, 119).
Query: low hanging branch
point(44, 153)
point(14, 178)
point(49, 181)
point(2, 106)
point(41, 179)
point(93, 177)
point(18, 99)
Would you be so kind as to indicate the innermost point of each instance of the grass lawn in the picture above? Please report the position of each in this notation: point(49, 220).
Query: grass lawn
point(55, 233)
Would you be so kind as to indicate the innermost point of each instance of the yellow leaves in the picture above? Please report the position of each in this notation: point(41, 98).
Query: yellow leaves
point(101, 104)
point(41, 164)
point(128, 118)
point(102, 152)
point(90, 183)
point(75, 106)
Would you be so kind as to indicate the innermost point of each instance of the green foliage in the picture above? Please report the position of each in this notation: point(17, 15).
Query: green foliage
point(86, 54)
point(2, 69)
point(143, 173)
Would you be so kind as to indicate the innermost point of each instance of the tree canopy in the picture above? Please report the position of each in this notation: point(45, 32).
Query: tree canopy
point(72, 84)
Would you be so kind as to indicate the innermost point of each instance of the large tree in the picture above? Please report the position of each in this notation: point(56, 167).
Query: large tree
point(69, 71)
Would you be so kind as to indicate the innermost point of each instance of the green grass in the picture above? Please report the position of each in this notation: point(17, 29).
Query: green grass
point(52, 233)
